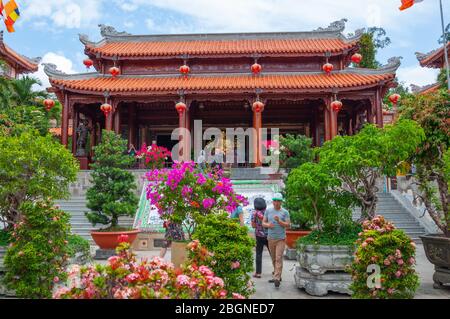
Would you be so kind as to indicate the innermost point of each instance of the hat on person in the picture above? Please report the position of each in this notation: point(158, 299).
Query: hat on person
point(277, 196)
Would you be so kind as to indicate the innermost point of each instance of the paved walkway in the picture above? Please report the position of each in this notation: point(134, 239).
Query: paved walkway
point(288, 289)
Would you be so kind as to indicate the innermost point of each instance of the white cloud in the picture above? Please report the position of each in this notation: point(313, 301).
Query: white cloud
point(417, 75)
point(63, 64)
point(63, 13)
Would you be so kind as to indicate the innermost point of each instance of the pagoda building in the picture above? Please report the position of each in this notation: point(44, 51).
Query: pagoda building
point(434, 59)
point(293, 76)
point(15, 64)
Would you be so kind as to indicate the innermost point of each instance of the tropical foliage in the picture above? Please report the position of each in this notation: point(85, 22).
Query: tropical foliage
point(232, 250)
point(112, 192)
point(32, 167)
point(295, 150)
point(394, 253)
point(432, 113)
point(184, 192)
point(38, 253)
point(359, 160)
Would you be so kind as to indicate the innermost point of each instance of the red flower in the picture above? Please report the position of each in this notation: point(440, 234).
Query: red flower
point(123, 238)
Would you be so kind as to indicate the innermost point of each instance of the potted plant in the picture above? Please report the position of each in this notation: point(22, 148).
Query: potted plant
point(112, 192)
point(185, 192)
point(328, 249)
point(300, 227)
point(432, 163)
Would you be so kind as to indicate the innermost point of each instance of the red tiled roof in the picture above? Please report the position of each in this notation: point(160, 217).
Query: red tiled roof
point(242, 46)
point(14, 56)
point(434, 58)
point(268, 82)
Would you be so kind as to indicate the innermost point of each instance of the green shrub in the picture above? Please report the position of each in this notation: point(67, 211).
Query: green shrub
point(38, 252)
point(112, 192)
point(232, 248)
point(347, 235)
point(4, 237)
point(78, 244)
point(295, 150)
point(394, 252)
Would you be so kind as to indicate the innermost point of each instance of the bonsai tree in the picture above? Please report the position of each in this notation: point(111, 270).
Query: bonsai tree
point(295, 150)
point(319, 196)
point(112, 193)
point(432, 113)
point(359, 160)
point(32, 167)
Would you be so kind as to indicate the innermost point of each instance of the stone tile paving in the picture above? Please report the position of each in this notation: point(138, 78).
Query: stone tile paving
point(288, 289)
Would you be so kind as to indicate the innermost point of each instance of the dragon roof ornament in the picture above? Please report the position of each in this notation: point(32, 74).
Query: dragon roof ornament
point(336, 26)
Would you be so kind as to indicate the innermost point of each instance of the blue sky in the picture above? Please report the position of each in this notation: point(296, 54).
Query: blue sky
point(50, 28)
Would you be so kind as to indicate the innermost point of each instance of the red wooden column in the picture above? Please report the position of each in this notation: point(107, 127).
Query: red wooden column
point(65, 121)
point(326, 117)
point(75, 118)
point(258, 108)
point(131, 125)
point(378, 108)
point(116, 119)
point(187, 125)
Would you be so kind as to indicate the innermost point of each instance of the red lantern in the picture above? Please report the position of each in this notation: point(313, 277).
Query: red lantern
point(356, 58)
point(181, 107)
point(394, 98)
point(88, 63)
point(256, 68)
point(258, 107)
point(49, 104)
point(184, 69)
point(115, 71)
point(327, 68)
point(106, 109)
point(336, 106)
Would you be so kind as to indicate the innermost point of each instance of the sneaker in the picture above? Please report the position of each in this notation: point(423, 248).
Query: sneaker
point(277, 283)
point(273, 280)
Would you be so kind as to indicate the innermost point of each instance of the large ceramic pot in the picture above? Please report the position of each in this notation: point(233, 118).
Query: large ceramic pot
point(437, 250)
point(293, 235)
point(319, 259)
point(109, 240)
point(178, 253)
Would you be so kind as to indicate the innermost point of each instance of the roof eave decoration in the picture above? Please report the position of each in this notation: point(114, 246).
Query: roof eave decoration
point(54, 74)
point(428, 59)
point(110, 32)
point(391, 67)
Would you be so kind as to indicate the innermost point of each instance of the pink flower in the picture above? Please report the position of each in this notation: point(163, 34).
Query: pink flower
point(398, 274)
point(364, 245)
point(374, 258)
point(131, 278)
point(398, 253)
point(369, 240)
point(60, 292)
point(411, 261)
point(237, 296)
point(390, 291)
point(218, 282)
point(400, 262)
point(182, 280)
point(235, 265)
point(50, 241)
point(205, 271)
point(208, 203)
point(55, 279)
point(222, 293)
point(387, 262)
point(20, 253)
point(413, 244)
point(55, 219)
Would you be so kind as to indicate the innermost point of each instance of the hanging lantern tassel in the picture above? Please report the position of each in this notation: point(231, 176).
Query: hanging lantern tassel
point(184, 70)
point(114, 71)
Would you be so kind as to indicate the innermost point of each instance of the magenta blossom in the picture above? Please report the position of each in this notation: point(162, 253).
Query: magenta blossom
point(208, 203)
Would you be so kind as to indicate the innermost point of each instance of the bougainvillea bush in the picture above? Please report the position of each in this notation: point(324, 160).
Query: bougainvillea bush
point(232, 249)
point(183, 192)
point(126, 278)
point(154, 156)
point(380, 243)
point(38, 251)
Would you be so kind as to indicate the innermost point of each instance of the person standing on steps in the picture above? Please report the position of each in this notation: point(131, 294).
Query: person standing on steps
point(276, 219)
point(260, 232)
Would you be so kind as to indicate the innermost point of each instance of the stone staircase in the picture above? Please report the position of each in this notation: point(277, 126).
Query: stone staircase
point(393, 211)
point(76, 206)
